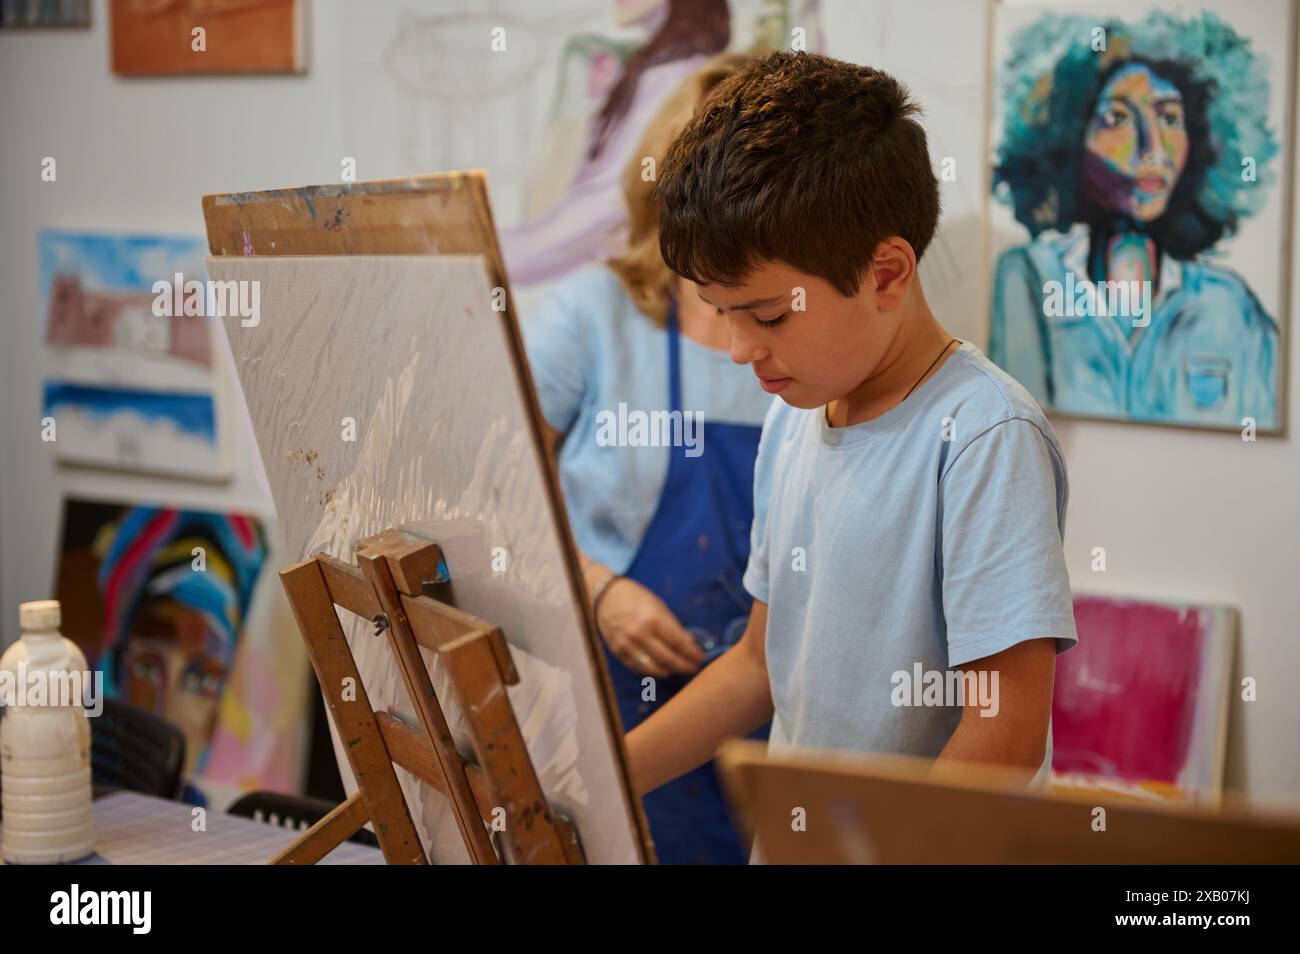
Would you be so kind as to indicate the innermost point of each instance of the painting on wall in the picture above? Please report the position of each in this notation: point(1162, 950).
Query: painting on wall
point(1141, 702)
point(555, 118)
point(173, 37)
point(1140, 168)
point(126, 387)
point(157, 599)
point(38, 14)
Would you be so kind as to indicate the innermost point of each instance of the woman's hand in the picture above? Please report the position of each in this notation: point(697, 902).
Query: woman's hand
point(642, 632)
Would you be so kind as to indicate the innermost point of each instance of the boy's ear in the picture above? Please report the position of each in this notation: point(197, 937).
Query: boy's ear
point(892, 270)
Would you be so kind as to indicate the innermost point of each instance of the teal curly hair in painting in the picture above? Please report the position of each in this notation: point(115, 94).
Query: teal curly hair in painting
point(1132, 152)
point(1051, 92)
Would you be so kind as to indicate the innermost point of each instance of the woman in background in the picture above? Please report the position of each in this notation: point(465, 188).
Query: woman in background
point(663, 531)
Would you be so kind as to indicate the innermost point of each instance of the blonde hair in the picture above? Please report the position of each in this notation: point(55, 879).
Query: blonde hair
point(641, 269)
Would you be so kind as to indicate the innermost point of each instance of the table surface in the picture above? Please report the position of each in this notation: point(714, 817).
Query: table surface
point(136, 829)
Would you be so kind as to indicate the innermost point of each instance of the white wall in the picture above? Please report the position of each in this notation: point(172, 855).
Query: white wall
point(1184, 515)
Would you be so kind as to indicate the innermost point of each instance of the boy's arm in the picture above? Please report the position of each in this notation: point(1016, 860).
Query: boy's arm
point(731, 697)
point(1006, 590)
point(1020, 703)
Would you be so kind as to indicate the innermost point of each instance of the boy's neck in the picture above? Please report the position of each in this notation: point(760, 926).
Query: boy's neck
point(914, 355)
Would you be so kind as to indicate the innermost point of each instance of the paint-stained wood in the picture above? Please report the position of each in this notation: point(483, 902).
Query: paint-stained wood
point(427, 710)
point(351, 712)
point(327, 834)
point(411, 561)
point(500, 749)
point(435, 623)
point(412, 750)
point(443, 214)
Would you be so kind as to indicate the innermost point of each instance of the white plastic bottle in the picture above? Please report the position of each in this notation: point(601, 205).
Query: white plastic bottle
point(44, 747)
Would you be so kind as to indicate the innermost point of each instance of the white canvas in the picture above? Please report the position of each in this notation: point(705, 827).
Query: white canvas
point(410, 349)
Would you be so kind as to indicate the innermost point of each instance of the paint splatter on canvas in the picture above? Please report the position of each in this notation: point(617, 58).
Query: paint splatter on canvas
point(157, 599)
point(1143, 697)
point(1141, 152)
point(126, 388)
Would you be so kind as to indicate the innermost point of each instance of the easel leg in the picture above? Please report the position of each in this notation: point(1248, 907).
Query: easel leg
point(327, 834)
point(354, 719)
point(416, 677)
point(500, 749)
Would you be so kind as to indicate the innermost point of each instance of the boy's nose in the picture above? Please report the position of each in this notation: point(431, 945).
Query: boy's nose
point(745, 349)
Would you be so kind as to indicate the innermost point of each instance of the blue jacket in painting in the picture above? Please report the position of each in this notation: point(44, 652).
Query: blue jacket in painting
point(1207, 356)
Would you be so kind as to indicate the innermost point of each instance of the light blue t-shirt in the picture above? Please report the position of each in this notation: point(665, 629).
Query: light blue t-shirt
point(930, 536)
point(591, 350)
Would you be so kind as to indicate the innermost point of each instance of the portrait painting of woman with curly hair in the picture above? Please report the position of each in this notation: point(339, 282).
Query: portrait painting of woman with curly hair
point(1133, 151)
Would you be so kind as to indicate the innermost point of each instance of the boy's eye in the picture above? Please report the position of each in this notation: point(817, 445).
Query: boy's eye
point(772, 322)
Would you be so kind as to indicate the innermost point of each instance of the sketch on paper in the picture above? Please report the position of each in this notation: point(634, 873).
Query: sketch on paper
point(1142, 156)
point(555, 119)
point(126, 388)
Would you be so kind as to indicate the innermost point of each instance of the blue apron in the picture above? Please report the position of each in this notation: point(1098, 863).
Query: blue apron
point(692, 557)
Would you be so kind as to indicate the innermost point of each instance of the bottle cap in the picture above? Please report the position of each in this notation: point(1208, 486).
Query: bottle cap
point(39, 615)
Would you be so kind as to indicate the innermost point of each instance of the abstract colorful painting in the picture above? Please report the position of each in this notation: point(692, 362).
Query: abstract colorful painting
point(170, 37)
point(1139, 167)
point(157, 599)
point(128, 389)
point(1142, 700)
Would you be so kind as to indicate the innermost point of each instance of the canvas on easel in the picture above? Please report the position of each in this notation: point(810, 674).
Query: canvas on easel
point(388, 390)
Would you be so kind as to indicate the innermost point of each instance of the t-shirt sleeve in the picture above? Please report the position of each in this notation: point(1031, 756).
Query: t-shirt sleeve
point(556, 339)
point(1002, 521)
point(756, 577)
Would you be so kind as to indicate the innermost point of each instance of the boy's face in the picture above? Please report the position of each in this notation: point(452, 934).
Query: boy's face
point(812, 356)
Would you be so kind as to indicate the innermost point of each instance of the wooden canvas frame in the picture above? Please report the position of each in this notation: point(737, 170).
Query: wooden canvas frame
point(880, 809)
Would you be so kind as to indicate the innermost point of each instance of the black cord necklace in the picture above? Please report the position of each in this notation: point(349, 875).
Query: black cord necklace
point(927, 370)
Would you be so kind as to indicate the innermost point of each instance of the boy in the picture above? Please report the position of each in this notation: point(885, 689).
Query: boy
point(909, 496)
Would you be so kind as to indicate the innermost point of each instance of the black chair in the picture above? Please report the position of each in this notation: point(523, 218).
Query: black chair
point(295, 812)
point(135, 749)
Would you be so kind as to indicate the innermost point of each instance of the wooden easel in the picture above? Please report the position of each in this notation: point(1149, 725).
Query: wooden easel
point(902, 810)
point(499, 786)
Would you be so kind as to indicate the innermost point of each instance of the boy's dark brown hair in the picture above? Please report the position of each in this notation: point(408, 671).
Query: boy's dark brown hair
point(799, 158)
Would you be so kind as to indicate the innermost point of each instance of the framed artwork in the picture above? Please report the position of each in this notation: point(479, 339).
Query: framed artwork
point(157, 598)
point(1139, 170)
point(1142, 700)
point(176, 37)
point(127, 387)
point(17, 14)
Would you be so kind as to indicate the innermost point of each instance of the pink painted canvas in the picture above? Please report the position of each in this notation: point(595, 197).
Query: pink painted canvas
point(1143, 697)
